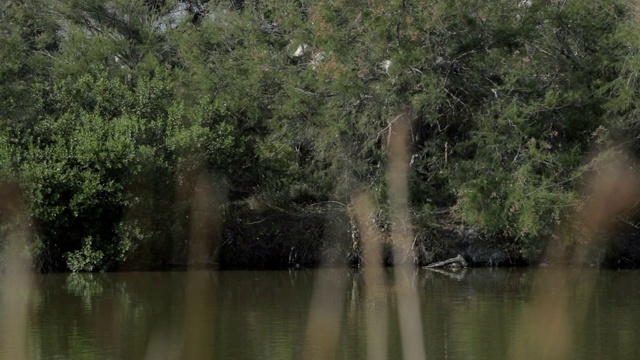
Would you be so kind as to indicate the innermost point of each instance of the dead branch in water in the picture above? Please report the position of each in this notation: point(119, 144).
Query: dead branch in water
point(458, 260)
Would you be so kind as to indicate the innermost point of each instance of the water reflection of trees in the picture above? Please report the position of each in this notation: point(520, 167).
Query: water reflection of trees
point(244, 314)
point(97, 316)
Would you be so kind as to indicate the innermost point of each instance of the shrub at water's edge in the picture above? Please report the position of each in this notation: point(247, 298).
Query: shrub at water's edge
point(143, 133)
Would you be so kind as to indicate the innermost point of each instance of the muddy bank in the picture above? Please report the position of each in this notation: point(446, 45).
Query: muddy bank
point(270, 238)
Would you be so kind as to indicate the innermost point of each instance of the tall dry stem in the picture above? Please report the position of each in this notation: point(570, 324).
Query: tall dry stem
point(375, 285)
point(401, 236)
point(205, 232)
point(16, 281)
point(325, 315)
point(545, 330)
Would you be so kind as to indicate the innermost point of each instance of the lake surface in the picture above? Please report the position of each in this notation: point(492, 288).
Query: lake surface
point(327, 313)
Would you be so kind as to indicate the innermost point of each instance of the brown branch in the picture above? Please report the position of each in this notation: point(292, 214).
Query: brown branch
point(459, 260)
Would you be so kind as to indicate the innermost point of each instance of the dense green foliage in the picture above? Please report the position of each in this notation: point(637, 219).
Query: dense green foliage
point(112, 110)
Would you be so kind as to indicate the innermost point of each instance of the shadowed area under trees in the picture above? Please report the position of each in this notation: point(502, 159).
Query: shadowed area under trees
point(132, 126)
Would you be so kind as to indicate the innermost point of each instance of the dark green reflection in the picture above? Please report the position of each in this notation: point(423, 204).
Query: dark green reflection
point(264, 315)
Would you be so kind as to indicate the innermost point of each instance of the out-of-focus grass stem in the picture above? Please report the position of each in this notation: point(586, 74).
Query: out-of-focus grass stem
point(401, 236)
point(16, 281)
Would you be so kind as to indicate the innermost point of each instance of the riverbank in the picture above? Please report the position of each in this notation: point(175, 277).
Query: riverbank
point(277, 238)
point(273, 238)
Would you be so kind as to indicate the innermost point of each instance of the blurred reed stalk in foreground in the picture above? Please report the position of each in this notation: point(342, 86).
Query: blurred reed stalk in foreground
point(200, 292)
point(411, 329)
point(16, 279)
point(376, 299)
point(322, 335)
point(545, 330)
point(206, 197)
point(325, 315)
point(402, 239)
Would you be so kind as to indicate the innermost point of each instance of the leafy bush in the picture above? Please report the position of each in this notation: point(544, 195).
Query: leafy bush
point(113, 110)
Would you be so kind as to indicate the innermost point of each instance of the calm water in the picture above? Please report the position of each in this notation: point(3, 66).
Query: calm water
point(473, 314)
